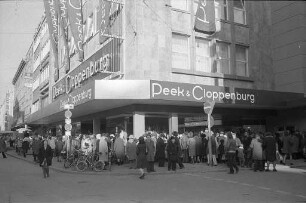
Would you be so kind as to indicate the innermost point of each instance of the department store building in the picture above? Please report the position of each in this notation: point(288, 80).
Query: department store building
point(154, 68)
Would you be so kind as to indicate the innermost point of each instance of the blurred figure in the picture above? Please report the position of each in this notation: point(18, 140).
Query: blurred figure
point(131, 151)
point(231, 153)
point(59, 144)
point(119, 149)
point(160, 150)
point(256, 146)
point(36, 144)
point(270, 148)
point(287, 147)
point(173, 154)
point(192, 147)
point(45, 158)
point(25, 145)
point(141, 157)
point(102, 148)
point(150, 153)
point(3, 147)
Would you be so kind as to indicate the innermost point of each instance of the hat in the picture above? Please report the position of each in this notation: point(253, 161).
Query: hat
point(112, 135)
point(131, 137)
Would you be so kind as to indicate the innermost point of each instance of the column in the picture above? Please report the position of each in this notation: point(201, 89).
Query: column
point(138, 124)
point(96, 126)
point(173, 123)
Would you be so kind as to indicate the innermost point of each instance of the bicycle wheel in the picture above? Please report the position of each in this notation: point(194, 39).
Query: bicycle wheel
point(81, 166)
point(98, 166)
point(68, 162)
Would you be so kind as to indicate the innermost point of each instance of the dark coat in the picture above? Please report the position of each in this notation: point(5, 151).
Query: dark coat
point(45, 154)
point(25, 145)
point(173, 151)
point(150, 149)
point(35, 146)
point(141, 155)
point(2, 145)
point(131, 150)
point(269, 145)
point(160, 148)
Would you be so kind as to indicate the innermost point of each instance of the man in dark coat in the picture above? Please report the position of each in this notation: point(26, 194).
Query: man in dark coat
point(2, 147)
point(270, 148)
point(150, 153)
point(160, 151)
point(177, 142)
point(45, 158)
point(173, 153)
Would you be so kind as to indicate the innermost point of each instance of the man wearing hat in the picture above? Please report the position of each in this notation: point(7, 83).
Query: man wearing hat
point(130, 151)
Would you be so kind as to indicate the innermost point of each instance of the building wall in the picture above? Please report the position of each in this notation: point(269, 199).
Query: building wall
point(289, 45)
point(149, 28)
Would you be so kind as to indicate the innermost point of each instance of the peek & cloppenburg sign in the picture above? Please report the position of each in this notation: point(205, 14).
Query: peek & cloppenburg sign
point(200, 93)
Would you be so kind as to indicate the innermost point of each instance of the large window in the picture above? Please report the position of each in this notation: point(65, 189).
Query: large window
point(241, 60)
point(221, 9)
point(35, 106)
point(44, 75)
point(180, 52)
point(180, 4)
point(239, 12)
point(223, 58)
point(203, 59)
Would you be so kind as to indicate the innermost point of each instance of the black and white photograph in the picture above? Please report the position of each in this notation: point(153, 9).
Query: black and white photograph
point(152, 101)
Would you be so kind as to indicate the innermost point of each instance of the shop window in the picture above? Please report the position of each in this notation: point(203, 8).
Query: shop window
point(203, 59)
point(221, 8)
point(241, 60)
point(180, 51)
point(180, 4)
point(223, 58)
point(239, 12)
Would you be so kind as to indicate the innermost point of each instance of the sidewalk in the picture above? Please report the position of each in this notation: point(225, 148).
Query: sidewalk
point(298, 166)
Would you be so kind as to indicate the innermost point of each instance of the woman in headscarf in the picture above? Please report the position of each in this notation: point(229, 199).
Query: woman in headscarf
point(141, 157)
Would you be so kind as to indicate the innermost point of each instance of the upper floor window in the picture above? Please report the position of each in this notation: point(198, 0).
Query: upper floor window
point(203, 59)
point(180, 51)
point(239, 12)
point(180, 4)
point(241, 60)
point(223, 58)
point(221, 9)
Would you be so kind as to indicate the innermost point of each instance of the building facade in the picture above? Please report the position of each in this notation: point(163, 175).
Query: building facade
point(150, 69)
point(6, 111)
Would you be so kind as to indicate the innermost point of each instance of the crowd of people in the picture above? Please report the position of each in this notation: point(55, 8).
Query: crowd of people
point(244, 149)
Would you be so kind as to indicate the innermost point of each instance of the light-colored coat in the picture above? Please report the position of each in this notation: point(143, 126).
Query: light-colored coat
point(192, 146)
point(257, 149)
point(150, 149)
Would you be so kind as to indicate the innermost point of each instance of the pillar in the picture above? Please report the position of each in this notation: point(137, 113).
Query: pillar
point(138, 124)
point(173, 123)
point(96, 126)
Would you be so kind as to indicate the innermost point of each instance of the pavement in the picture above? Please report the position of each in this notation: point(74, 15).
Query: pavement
point(299, 166)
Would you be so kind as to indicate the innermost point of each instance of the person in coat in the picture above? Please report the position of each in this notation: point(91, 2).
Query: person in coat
point(119, 149)
point(256, 146)
point(270, 148)
point(198, 141)
point(160, 150)
point(3, 147)
point(192, 148)
point(45, 158)
point(214, 147)
point(25, 146)
point(150, 153)
point(287, 147)
point(102, 148)
point(35, 148)
point(231, 148)
point(141, 152)
point(131, 151)
point(184, 146)
point(173, 154)
point(180, 155)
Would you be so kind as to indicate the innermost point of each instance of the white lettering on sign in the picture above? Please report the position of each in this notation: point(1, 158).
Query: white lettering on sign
point(199, 93)
point(76, 99)
point(53, 21)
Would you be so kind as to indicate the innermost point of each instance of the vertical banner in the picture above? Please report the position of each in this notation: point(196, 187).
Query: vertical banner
point(104, 17)
point(76, 24)
point(52, 20)
point(62, 10)
point(205, 17)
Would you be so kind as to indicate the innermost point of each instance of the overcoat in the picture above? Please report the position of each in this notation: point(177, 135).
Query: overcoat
point(131, 150)
point(173, 151)
point(160, 148)
point(257, 149)
point(141, 155)
point(150, 149)
point(2, 145)
point(269, 145)
point(35, 146)
point(119, 148)
point(192, 146)
point(45, 154)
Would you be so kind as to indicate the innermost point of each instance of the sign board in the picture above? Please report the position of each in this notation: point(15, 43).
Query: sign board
point(209, 106)
point(68, 127)
point(68, 133)
point(68, 114)
point(68, 121)
point(69, 106)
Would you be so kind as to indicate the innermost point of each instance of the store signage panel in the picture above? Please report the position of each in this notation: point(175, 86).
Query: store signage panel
point(98, 66)
point(201, 93)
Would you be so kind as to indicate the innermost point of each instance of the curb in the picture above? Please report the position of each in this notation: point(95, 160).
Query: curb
point(133, 172)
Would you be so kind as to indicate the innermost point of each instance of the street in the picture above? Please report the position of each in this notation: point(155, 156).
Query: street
point(23, 182)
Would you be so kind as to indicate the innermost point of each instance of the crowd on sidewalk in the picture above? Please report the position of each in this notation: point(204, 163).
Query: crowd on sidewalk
point(243, 149)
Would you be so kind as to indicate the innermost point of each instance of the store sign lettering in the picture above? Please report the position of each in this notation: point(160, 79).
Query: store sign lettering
point(189, 92)
point(77, 98)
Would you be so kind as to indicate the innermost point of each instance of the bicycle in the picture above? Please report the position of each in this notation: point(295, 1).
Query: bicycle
point(91, 161)
point(74, 158)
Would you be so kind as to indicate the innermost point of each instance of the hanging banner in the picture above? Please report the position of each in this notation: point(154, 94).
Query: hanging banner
point(62, 10)
point(52, 20)
point(104, 15)
point(76, 25)
point(205, 17)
